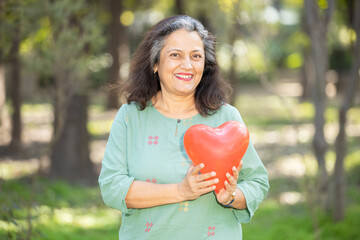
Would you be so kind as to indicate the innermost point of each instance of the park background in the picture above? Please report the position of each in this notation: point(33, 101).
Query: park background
point(294, 66)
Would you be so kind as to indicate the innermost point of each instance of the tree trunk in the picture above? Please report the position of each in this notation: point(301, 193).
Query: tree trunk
point(179, 7)
point(61, 89)
point(320, 59)
point(341, 144)
point(70, 152)
point(15, 95)
point(232, 73)
point(317, 29)
point(307, 71)
point(4, 121)
point(119, 51)
point(233, 79)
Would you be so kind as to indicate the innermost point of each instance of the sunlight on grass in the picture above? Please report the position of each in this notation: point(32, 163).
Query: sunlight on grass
point(330, 160)
point(354, 115)
point(291, 165)
point(331, 114)
point(37, 107)
point(86, 218)
point(306, 110)
point(291, 198)
point(71, 221)
point(16, 169)
point(310, 164)
point(352, 160)
point(99, 127)
point(96, 108)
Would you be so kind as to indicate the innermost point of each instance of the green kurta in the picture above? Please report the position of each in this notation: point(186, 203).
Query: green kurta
point(148, 146)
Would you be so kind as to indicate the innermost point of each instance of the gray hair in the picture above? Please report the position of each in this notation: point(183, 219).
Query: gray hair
point(189, 24)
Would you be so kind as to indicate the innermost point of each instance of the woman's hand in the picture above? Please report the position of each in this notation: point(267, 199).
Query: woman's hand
point(225, 195)
point(194, 184)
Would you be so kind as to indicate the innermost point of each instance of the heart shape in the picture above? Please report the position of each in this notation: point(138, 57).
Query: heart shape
point(218, 148)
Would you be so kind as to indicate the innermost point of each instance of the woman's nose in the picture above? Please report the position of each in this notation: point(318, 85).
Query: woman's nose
point(186, 63)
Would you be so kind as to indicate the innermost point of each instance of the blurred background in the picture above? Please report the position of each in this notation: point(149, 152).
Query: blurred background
point(294, 66)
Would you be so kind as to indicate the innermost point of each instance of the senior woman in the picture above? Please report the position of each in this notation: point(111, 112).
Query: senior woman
point(174, 83)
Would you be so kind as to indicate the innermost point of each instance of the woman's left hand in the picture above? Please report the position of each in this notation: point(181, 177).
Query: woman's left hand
point(225, 195)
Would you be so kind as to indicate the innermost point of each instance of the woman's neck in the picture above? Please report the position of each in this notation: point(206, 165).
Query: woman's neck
point(172, 106)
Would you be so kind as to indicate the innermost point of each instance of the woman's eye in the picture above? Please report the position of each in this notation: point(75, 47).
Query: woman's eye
point(197, 56)
point(174, 54)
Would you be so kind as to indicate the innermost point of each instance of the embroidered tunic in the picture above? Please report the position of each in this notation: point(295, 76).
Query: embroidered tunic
point(148, 146)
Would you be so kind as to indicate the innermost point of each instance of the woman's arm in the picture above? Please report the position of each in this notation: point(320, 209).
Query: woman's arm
point(144, 194)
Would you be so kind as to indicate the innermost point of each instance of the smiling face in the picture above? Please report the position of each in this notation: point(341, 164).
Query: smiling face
point(181, 63)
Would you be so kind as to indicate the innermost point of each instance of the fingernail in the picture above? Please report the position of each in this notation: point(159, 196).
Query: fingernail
point(234, 168)
point(202, 165)
point(216, 180)
point(228, 174)
point(213, 174)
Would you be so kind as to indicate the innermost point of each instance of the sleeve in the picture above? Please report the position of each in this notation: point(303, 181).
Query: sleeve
point(253, 181)
point(114, 179)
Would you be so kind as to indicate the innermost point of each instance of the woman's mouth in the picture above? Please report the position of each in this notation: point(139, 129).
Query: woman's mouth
point(184, 76)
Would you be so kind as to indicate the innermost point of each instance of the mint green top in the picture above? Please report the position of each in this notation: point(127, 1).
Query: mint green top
point(148, 146)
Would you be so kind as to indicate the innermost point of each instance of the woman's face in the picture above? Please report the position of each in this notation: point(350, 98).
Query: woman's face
point(181, 63)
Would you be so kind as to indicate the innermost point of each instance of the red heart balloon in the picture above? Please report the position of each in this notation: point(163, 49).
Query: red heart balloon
point(218, 148)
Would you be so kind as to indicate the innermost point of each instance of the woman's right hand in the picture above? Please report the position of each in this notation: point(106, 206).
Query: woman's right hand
point(194, 184)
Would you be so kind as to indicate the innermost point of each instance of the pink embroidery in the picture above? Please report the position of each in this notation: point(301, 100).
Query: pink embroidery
point(184, 206)
point(211, 231)
point(150, 142)
point(148, 227)
point(151, 138)
point(148, 180)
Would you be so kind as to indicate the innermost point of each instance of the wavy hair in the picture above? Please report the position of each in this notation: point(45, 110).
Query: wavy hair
point(142, 84)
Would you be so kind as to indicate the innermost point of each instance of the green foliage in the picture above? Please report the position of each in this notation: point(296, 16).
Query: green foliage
point(17, 19)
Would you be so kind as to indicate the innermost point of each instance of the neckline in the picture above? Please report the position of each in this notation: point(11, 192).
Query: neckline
point(170, 118)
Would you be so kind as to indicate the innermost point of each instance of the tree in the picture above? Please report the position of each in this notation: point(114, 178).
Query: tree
point(72, 22)
point(11, 17)
point(69, 38)
point(17, 23)
point(3, 110)
point(318, 27)
point(179, 7)
point(70, 152)
point(118, 47)
point(15, 93)
point(352, 87)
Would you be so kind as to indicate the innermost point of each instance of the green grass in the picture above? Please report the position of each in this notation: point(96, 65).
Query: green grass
point(274, 221)
point(58, 210)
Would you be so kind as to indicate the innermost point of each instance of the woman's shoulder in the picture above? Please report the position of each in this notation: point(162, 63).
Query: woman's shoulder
point(228, 108)
point(132, 110)
point(132, 107)
point(229, 112)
